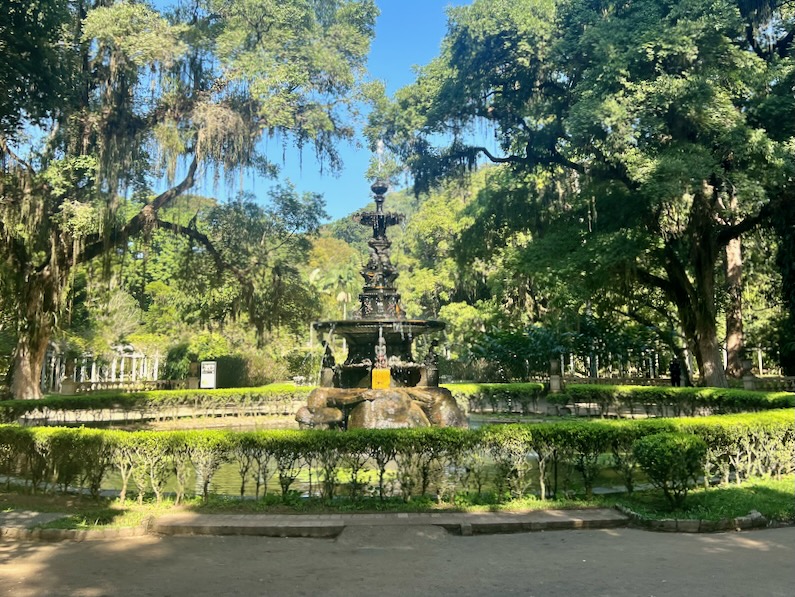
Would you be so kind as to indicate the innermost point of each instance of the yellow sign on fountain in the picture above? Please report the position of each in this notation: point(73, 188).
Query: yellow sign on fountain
point(381, 379)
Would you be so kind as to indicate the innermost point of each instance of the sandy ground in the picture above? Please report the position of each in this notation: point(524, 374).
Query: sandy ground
point(410, 561)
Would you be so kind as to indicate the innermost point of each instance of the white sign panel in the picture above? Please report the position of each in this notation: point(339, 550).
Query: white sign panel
point(207, 379)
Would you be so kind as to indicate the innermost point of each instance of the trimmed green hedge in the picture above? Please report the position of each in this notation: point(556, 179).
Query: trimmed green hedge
point(271, 399)
point(283, 398)
point(498, 397)
point(515, 460)
point(670, 401)
point(672, 462)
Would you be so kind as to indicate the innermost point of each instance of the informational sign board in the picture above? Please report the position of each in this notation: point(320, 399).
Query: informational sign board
point(207, 378)
point(381, 379)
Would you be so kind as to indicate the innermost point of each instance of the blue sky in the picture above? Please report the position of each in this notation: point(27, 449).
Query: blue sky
point(408, 34)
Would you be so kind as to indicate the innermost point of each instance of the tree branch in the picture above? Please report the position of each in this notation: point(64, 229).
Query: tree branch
point(96, 244)
point(729, 233)
point(529, 159)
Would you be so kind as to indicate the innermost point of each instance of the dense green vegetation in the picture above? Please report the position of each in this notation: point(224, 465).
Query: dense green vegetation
point(506, 461)
point(643, 175)
point(135, 105)
point(603, 184)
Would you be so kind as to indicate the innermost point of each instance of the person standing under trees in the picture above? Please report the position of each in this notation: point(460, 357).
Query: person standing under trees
point(676, 372)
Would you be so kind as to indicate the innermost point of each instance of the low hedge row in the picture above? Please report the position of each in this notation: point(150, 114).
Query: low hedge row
point(272, 399)
point(671, 401)
point(511, 460)
point(282, 399)
point(498, 397)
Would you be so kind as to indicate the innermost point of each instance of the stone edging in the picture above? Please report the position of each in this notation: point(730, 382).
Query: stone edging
point(753, 520)
point(52, 535)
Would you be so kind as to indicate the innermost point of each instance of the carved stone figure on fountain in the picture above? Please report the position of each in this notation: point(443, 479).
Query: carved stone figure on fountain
point(380, 354)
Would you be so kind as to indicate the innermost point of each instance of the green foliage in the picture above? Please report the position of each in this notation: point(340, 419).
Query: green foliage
point(498, 397)
point(635, 142)
point(444, 463)
point(770, 497)
point(272, 399)
point(36, 69)
point(510, 447)
point(134, 93)
point(672, 462)
point(670, 401)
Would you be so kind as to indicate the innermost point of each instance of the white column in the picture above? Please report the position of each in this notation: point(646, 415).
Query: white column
point(134, 369)
point(121, 369)
point(54, 372)
point(156, 368)
point(113, 369)
point(93, 370)
point(759, 360)
point(43, 376)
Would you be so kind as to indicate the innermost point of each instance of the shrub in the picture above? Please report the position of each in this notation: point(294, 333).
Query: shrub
point(433, 461)
point(510, 446)
point(672, 462)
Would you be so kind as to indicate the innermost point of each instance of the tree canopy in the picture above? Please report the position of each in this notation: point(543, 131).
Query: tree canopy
point(641, 139)
point(156, 97)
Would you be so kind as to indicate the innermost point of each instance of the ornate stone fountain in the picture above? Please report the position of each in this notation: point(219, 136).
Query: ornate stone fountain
point(380, 384)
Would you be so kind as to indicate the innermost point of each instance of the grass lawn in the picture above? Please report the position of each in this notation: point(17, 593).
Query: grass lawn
point(774, 499)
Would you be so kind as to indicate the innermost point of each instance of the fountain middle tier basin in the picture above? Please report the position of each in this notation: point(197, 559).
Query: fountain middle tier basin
point(362, 336)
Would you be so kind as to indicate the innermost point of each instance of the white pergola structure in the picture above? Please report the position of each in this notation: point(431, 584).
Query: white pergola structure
point(126, 366)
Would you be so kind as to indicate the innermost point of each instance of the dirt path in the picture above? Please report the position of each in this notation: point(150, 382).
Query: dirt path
point(409, 561)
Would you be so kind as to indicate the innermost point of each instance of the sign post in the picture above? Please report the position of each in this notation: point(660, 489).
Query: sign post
point(207, 379)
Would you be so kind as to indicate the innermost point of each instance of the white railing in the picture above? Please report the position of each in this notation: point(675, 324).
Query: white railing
point(82, 387)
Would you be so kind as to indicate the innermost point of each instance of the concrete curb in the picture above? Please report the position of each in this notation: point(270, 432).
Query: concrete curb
point(330, 526)
point(753, 520)
point(51, 535)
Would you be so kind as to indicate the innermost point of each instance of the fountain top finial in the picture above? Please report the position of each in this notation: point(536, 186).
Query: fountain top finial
point(380, 186)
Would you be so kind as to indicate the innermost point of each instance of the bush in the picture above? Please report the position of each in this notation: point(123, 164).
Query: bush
point(672, 462)
point(272, 399)
point(669, 401)
point(429, 461)
point(504, 397)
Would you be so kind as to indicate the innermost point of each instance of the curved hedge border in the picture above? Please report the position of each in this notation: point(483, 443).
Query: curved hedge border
point(272, 399)
point(670, 401)
point(285, 399)
point(441, 462)
point(498, 397)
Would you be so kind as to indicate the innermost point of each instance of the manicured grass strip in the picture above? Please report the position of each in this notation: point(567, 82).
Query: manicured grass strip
point(773, 498)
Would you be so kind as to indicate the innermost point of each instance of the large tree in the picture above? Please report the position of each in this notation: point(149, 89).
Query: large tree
point(161, 98)
point(669, 122)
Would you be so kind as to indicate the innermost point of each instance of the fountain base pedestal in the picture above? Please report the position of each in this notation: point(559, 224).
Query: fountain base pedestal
point(393, 408)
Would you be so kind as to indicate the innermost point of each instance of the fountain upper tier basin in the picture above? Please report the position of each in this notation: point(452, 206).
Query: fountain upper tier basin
point(362, 335)
point(372, 327)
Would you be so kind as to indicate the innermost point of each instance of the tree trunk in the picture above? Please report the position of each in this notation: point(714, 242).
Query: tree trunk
point(26, 365)
point(694, 294)
point(734, 308)
point(708, 354)
point(784, 225)
point(35, 299)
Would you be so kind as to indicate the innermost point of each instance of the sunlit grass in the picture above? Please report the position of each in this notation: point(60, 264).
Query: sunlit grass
point(774, 499)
